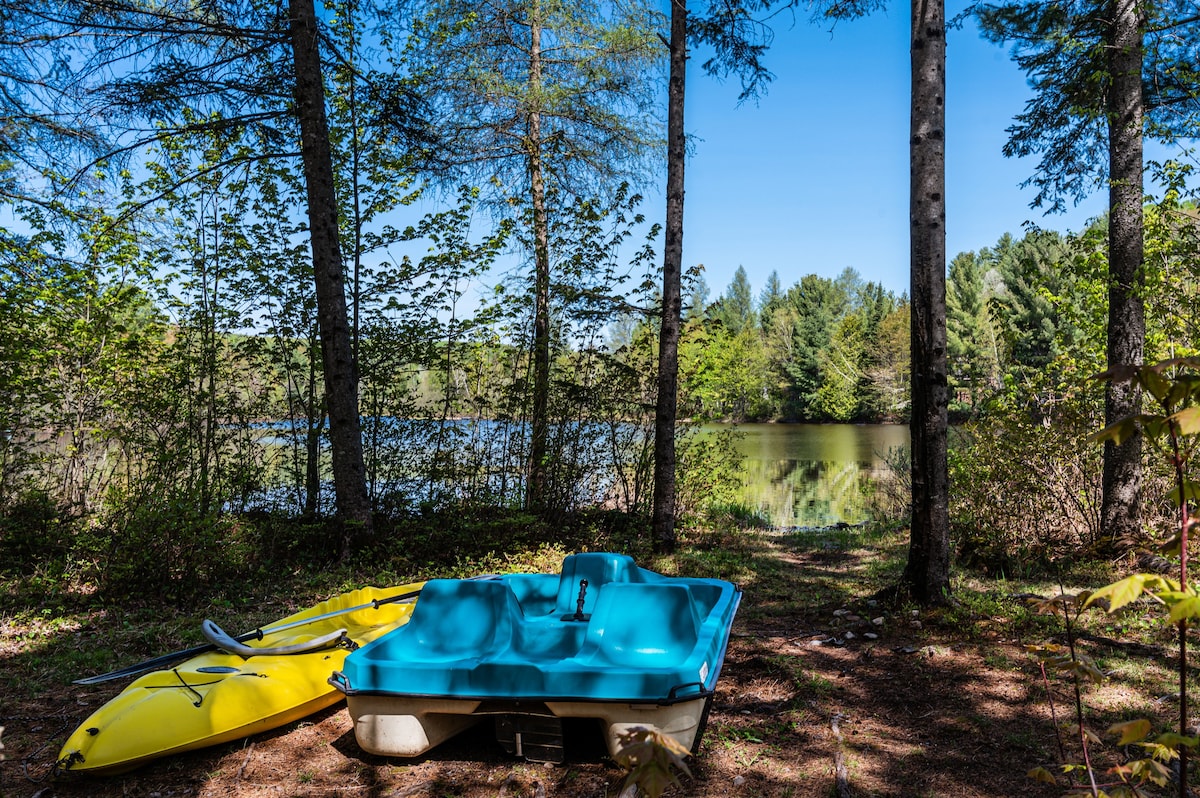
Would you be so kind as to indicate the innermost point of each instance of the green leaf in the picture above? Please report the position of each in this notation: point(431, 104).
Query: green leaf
point(1163, 753)
point(1178, 394)
point(1188, 420)
point(1191, 492)
point(1158, 385)
point(1155, 426)
point(1174, 739)
point(1042, 775)
point(1151, 770)
point(1130, 731)
point(1186, 608)
point(1117, 432)
point(1124, 592)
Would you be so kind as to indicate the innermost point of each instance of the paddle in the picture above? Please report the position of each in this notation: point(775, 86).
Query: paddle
point(175, 656)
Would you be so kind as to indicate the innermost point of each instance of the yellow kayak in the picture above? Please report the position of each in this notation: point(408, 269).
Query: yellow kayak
point(217, 696)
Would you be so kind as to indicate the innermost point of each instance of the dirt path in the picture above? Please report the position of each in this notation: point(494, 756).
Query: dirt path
point(822, 693)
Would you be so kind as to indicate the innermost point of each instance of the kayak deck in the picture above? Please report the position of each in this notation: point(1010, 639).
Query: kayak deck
point(217, 697)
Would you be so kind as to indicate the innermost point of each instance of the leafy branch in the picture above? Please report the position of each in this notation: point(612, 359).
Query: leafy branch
point(1174, 385)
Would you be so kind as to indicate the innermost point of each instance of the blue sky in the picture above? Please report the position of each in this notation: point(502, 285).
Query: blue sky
point(814, 178)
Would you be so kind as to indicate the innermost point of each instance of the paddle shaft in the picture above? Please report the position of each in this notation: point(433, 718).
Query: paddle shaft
point(258, 634)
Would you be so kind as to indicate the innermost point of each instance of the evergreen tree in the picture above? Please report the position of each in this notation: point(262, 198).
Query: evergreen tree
point(971, 340)
point(1104, 73)
point(875, 306)
point(541, 99)
point(1032, 276)
point(696, 306)
point(338, 363)
point(927, 572)
point(769, 300)
point(232, 67)
point(888, 375)
point(818, 304)
point(736, 307)
point(739, 42)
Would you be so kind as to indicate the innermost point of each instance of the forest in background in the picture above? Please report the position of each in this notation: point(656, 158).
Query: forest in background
point(162, 375)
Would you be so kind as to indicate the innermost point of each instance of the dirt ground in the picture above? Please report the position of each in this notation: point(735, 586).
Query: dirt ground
point(826, 697)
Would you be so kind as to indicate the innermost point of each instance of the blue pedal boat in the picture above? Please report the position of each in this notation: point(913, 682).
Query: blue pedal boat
point(603, 639)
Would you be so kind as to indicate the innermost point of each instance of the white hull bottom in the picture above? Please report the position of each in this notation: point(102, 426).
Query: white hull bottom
point(408, 727)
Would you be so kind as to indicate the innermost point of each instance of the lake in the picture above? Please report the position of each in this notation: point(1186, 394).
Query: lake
point(809, 475)
point(796, 475)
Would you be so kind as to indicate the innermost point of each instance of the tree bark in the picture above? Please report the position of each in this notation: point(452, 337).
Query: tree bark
point(927, 573)
point(539, 423)
point(341, 372)
point(1121, 505)
point(668, 341)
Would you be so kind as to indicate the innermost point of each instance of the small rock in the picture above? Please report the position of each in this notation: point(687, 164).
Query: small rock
point(850, 635)
point(853, 618)
point(738, 781)
point(841, 612)
point(746, 712)
point(872, 603)
point(870, 635)
point(914, 613)
point(915, 624)
point(877, 621)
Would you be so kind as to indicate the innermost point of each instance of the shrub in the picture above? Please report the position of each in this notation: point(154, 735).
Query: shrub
point(33, 534)
point(1025, 493)
point(166, 547)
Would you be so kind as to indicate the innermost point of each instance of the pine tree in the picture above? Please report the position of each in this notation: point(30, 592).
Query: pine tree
point(736, 307)
point(971, 338)
point(927, 572)
point(819, 304)
point(739, 42)
point(546, 101)
point(1104, 73)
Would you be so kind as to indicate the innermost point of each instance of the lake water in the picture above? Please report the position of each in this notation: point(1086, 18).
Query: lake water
point(810, 475)
point(796, 475)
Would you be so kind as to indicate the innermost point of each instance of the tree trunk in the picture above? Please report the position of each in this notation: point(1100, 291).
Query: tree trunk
point(341, 373)
point(1120, 506)
point(668, 341)
point(539, 424)
point(927, 574)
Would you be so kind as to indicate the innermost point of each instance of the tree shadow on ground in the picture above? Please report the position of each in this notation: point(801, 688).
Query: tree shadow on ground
point(924, 706)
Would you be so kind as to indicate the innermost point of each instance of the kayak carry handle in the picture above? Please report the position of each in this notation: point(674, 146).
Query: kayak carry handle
point(222, 640)
point(340, 681)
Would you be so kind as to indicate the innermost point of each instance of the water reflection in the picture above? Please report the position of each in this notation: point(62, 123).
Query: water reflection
point(813, 474)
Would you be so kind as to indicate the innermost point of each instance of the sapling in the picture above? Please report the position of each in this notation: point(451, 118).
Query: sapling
point(1067, 659)
point(1174, 385)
